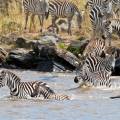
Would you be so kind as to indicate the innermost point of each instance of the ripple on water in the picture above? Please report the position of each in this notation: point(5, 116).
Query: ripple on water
point(86, 104)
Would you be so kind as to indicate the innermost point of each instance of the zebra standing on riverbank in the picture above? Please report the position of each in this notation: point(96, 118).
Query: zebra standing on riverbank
point(101, 26)
point(27, 89)
point(64, 9)
point(36, 7)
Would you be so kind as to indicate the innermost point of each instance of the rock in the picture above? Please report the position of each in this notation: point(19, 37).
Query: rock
point(50, 38)
point(21, 42)
point(68, 57)
point(109, 50)
point(44, 50)
point(20, 58)
point(45, 66)
point(45, 55)
point(77, 47)
point(116, 71)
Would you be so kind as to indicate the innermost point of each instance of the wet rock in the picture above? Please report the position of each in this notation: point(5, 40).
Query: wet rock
point(20, 58)
point(116, 71)
point(43, 58)
point(109, 50)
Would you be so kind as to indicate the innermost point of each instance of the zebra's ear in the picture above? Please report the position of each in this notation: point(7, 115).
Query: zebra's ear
point(103, 55)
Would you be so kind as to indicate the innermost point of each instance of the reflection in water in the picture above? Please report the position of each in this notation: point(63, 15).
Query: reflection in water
point(86, 104)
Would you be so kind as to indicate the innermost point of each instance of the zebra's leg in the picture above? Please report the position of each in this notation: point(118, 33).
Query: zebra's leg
point(26, 20)
point(32, 22)
point(110, 39)
point(40, 20)
point(54, 18)
point(69, 26)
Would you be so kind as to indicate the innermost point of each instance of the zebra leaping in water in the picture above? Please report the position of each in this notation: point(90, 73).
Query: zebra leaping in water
point(96, 71)
point(27, 89)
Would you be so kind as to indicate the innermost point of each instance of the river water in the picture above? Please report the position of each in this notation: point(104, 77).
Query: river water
point(85, 104)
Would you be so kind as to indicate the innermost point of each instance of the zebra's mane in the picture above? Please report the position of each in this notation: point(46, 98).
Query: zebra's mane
point(11, 74)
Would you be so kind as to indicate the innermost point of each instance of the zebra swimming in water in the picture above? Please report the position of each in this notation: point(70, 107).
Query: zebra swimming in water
point(96, 70)
point(27, 89)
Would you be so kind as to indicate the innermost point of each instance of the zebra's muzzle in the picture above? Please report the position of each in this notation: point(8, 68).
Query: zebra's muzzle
point(76, 80)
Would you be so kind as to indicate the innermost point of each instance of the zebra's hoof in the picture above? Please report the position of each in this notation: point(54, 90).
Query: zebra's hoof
point(76, 80)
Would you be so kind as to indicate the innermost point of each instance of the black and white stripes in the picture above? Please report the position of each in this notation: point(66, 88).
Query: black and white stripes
point(115, 23)
point(96, 71)
point(27, 89)
point(36, 7)
point(100, 25)
point(64, 9)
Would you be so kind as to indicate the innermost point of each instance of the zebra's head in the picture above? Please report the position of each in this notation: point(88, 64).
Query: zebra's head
point(110, 58)
point(8, 78)
point(2, 78)
point(107, 6)
point(79, 76)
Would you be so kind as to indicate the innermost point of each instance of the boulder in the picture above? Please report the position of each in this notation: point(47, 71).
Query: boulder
point(109, 50)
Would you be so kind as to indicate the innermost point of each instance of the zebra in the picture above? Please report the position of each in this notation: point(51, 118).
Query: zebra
point(96, 63)
point(100, 26)
point(92, 3)
point(95, 47)
point(106, 5)
point(96, 68)
point(29, 89)
point(115, 23)
point(36, 7)
point(64, 9)
point(95, 79)
point(116, 7)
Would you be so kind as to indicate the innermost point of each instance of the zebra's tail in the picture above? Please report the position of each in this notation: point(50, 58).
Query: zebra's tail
point(59, 97)
point(46, 15)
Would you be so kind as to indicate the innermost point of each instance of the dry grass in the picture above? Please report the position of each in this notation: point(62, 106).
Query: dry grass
point(15, 23)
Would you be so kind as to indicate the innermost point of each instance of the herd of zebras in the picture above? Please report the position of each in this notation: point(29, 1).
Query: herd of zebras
point(104, 14)
point(97, 66)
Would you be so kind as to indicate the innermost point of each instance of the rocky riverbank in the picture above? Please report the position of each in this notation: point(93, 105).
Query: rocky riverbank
point(47, 54)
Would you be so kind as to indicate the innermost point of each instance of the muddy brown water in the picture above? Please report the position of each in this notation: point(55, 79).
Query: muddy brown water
point(86, 104)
